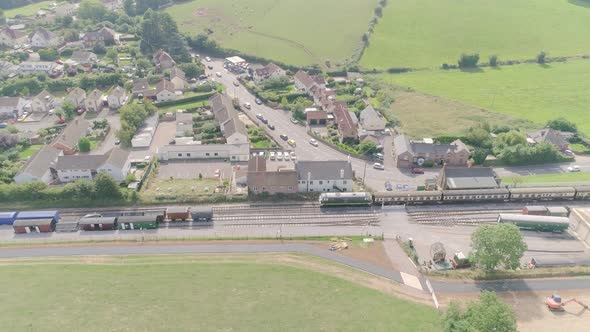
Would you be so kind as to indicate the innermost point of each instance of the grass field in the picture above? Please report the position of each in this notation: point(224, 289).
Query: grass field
point(298, 32)
point(29, 10)
point(197, 293)
point(542, 178)
point(529, 91)
point(427, 33)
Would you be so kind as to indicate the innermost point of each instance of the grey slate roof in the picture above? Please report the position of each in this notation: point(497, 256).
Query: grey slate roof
point(403, 144)
point(371, 120)
point(323, 170)
point(549, 135)
point(470, 177)
point(80, 162)
point(73, 132)
point(9, 101)
point(40, 162)
point(118, 92)
point(117, 157)
point(226, 115)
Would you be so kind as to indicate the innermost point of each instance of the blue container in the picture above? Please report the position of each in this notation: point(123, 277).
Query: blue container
point(38, 215)
point(7, 218)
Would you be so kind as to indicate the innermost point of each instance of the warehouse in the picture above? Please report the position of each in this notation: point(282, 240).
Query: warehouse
point(137, 222)
point(22, 226)
point(38, 215)
point(7, 218)
point(98, 224)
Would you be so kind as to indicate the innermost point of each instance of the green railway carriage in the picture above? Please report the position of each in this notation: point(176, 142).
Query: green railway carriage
point(535, 223)
point(346, 199)
point(138, 222)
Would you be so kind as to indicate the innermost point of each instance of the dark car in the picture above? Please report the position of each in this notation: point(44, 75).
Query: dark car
point(263, 120)
point(259, 116)
point(271, 127)
point(172, 141)
point(258, 101)
point(388, 186)
point(284, 137)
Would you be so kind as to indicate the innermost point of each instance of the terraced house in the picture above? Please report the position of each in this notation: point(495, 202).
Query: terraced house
point(409, 153)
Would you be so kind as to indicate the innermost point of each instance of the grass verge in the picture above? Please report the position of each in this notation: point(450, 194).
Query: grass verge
point(544, 272)
point(547, 178)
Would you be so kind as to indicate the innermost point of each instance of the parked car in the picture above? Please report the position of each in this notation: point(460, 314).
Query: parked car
point(247, 105)
point(291, 143)
point(261, 153)
point(258, 101)
point(574, 168)
point(417, 170)
point(313, 142)
point(286, 156)
point(295, 121)
point(218, 74)
point(280, 155)
point(272, 155)
point(210, 67)
point(388, 186)
point(3, 125)
point(293, 156)
point(271, 127)
point(569, 153)
point(378, 166)
point(263, 120)
point(117, 141)
point(172, 141)
point(284, 137)
point(259, 116)
point(208, 59)
point(236, 83)
point(378, 156)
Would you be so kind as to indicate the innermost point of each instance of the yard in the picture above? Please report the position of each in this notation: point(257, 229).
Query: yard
point(548, 178)
point(427, 33)
point(182, 189)
point(28, 152)
point(29, 10)
point(259, 139)
point(203, 292)
point(528, 91)
point(297, 32)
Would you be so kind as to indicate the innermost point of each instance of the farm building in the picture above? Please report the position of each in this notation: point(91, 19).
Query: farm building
point(40, 225)
point(98, 224)
point(38, 215)
point(7, 218)
point(137, 222)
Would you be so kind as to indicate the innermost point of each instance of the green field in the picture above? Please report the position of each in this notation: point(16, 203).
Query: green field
point(427, 33)
point(528, 91)
point(29, 10)
point(196, 293)
point(298, 32)
point(547, 178)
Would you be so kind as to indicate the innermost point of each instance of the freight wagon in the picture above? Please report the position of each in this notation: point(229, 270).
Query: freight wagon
point(201, 213)
point(38, 225)
point(174, 213)
point(98, 223)
point(345, 199)
point(535, 223)
point(54, 215)
point(138, 222)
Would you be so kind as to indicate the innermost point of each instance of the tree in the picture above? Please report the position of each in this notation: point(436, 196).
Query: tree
point(106, 187)
point(493, 60)
point(8, 141)
point(99, 48)
point(209, 128)
point(497, 245)
point(69, 110)
point(84, 144)
point(92, 10)
point(129, 7)
point(562, 124)
point(378, 11)
point(130, 178)
point(284, 101)
point(367, 147)
point(2, 17)
point(48, 54)
point(159, 31)
point(541, 57)
point(191, 70)
point(479, 156)
point(488, 313)
point(112, 55)
point(516, 179)
point(468, 60)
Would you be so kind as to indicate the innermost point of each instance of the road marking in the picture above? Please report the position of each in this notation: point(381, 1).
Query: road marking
point(411, 280)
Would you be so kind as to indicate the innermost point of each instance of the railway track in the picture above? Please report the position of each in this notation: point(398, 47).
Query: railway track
point(457, 217)
point(293, 223)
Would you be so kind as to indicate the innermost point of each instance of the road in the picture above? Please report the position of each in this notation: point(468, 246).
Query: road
point(305, 151)
point(446, 287)
point(582, 161)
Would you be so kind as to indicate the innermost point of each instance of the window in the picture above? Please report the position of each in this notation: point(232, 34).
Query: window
point(180, 154)
point(216, 153)
point(207, 154)
point(310, 182)
point(321, 182)
point(188, 154)
point(328, 181)
point(254, 188)
point(344, 182)
point(290, 188)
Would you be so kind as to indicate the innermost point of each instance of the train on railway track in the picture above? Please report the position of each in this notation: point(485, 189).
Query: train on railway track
point(522, 194)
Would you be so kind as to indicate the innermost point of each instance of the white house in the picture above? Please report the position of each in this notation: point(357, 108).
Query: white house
point(115, 162)
point(45, 38)
point(10, 37)
point(40, 166)
point(43, 102)
point(270, 71)
point(117, 97)
point(231, 152)
point(50, 68)
point(76, 96)
point(93, 101)
point(11, 107)
point(324, 176)
point(165, 91)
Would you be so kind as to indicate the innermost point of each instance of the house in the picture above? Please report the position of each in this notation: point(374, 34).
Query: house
point(347, 128)
point(270, 71)
point(8, 68)
point(115, 162)
point(466, 178)
point(408, 153)
point(45, 38)
point(140, 87)
point(371, 120)
point(316, 117)
point(76, 96)
point(11, 107)
point(106, 35)
point(231, 126)
point(117, 97)
point(231, 152)
point(557, 138)
point(178, 79)
point(165, 91)
point(10, 37)
point(68, 139)
point(324, 176)
point(82, 58)
point(163, 60)
point(40, 166)
point(305, 82)
point(94, 101)
point(52, 69)
point(184, 124)
point(259, 179)
point(43, 102)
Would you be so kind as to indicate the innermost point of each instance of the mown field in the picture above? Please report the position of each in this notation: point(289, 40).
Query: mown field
point(28, 10)
point(529, 91)
point(427, 33)
point(298, 32)
point(549, 178)
point(189, 293)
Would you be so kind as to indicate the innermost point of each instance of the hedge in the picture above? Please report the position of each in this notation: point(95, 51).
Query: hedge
point(201, 97)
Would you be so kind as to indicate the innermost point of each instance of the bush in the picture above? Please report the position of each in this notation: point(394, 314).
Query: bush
point(202, 97)
point(468, 60)
point(493, 60)
point(563, 125)
point(84, 144)
point(541, 57)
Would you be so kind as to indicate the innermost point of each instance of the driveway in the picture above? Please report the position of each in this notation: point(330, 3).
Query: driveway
point(305, 151)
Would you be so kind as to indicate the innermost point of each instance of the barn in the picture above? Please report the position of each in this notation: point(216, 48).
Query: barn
point(7, 218)
point(98, 224)
point(40, 225)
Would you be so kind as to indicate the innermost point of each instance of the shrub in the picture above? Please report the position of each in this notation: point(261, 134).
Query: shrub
point(541, 57)
point(493, 60)
point(468, 60)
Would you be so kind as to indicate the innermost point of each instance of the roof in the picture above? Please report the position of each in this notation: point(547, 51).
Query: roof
point(77, 92)
point(226, 115)
point(162, 55)
point(95, 94)
point(176, 209)
point(32, 222)
point(164, 84)
point(279, 178)
point(44, 33)
point(73, 132)
point(92, 161)
point(371, 119)
point(117, 157)
point(346, 125)
point(177, 72)
point(469, 177)
point(235, 60)
point(257, 164)
point(549, 135)
point(117, 92)
point(305, 79)
point(141, 84)
point(97, 220)
point(324, 170)
point(37, 214)
point(82, 56)
point(12, 33)
point(316, 115)
point(182, 117)
point(9, 101)
point(533, 218)
point(403, 144)
point(40, 162)
point(267, 70)
point(44, 96)
point(536, 208)
point(203, 147)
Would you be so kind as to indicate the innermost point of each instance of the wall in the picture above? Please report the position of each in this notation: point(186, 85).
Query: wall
point(73, 175)
point(325, 186)
point(580, 222)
